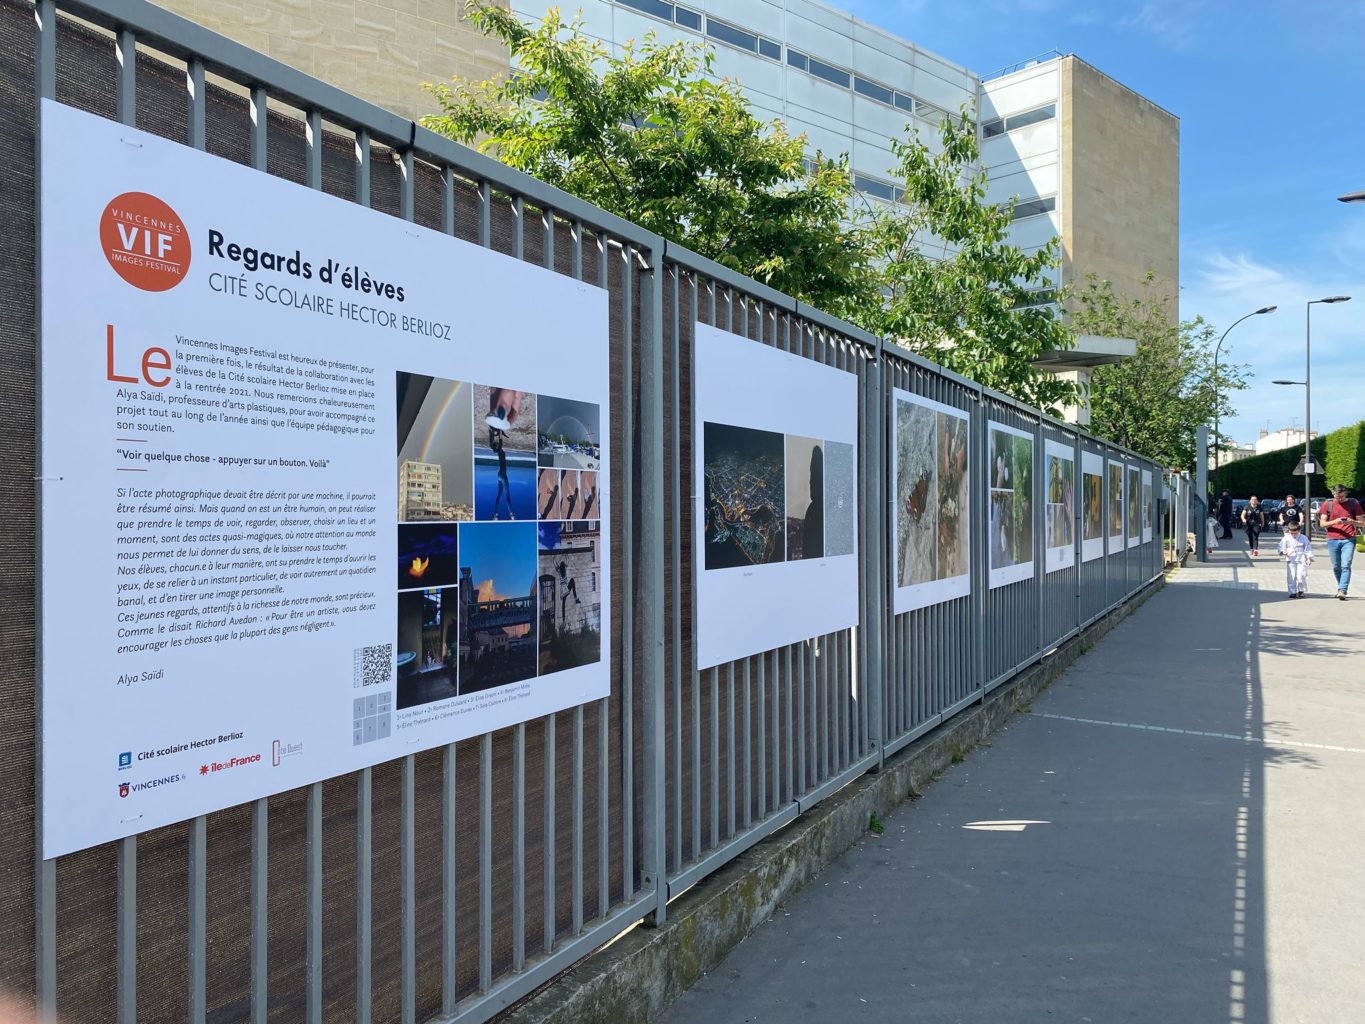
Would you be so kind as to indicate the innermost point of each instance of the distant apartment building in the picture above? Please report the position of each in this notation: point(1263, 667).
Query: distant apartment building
point(1278, 440)
point(1090, 161)
point(419, 491)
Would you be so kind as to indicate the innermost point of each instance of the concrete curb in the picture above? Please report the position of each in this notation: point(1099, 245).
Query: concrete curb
point(636, 978)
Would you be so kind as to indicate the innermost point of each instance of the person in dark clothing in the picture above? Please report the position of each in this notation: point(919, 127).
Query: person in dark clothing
point(495, 441)
point(1291, 513)
point(1225, 515)
point(1253, 518)
point(813, 534)
point(569, 587)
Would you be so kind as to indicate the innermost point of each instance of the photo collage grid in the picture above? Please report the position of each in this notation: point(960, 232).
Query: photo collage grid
point(499, 537)
point(1115, 504)
point(772, 497)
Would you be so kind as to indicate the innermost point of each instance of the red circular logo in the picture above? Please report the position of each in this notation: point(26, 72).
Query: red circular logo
point(145, 241)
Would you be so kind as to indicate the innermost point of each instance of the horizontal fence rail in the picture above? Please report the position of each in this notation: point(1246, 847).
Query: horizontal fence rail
point(448, 884)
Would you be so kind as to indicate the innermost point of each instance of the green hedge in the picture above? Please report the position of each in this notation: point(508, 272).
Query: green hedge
point(1341, 454)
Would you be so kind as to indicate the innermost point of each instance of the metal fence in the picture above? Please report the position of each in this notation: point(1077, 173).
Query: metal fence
point(447, 885)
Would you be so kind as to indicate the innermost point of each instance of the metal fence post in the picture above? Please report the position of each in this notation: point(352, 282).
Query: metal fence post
point(878, 574)
point(653, 630)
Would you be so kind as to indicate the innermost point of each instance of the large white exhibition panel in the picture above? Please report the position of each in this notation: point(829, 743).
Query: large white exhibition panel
point(931, 495)
point(279, 542)
point(1092, 506)
point(771, 429)
point(1059, 488)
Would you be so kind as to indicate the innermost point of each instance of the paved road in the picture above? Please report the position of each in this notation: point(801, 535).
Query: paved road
point(1196, 787)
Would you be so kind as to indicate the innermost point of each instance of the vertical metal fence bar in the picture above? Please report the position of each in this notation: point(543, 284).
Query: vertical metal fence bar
point(730, 749)
point(519, 847)
point(675, 564)
point(485, 215)
point(449, 879)
point(748, 746)
point(604, 705)
point(45, 871)
point(449, 763)
point(197, 884)
point(578, 820)
point(364, 816)
point(548, 839)
point(364, 894)
point(194, 97)
point(313, 906)
point(260, 811)
point(628, 575)
point(126, 936)
point(761, 747)
point(653, 606)
point(127, 930)
point(407, 846)
point(485, 862)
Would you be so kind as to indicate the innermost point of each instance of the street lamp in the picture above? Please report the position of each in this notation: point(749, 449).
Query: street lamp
point(1307, 383)
point(1217, 450)
point(1352, 197)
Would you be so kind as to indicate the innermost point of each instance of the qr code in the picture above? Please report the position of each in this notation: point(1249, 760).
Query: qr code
point(373, 664)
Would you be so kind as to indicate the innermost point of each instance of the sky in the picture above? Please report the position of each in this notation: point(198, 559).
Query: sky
point(1271, 101)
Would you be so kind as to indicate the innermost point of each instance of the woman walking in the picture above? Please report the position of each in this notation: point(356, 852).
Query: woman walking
point(1253, 518)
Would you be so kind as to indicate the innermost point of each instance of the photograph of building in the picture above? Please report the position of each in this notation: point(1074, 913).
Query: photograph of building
point(570, 595)
point(435, 449)
point(497, 604)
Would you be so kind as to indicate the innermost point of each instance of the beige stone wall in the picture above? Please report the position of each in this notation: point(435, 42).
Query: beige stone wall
point(382, 52)
point(1120, 184)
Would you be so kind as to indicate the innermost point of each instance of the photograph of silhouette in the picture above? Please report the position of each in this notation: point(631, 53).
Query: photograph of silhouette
point(504, 477)
point(839, 504)
point(569, 436)
point(435, 449)
point(497, 587)
point(1092, 513)
point(744, 496)
point(589, 503)
point(428, 555)
point(428, 645)
point(1116, 503)
point(805, 498)
point(570, 595)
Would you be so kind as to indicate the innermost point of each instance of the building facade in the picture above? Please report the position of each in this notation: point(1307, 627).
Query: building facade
point(1278, 440)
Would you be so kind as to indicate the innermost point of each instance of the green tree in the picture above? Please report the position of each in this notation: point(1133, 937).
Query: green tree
point(967, 306)
point(653, 136)
point(1154, 402)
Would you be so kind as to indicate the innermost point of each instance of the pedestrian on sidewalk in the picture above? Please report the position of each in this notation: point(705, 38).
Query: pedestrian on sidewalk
point(1225, 516)
point(1253, 518)
point(1298, 555)
point(1342, 518)
point(1292, 512)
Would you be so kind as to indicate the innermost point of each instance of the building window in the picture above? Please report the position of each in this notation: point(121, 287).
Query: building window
point(1029, 117)
point(872, 90)
point(904, 102)
point(1034, 207)
point(656, 8)
point(878, 188)
point(729, 34)
point(768, 48)
point(687, 18)
point(930, 112)
point(1001, 125)
point(594, 581)
point(797, 59)
point(829, 73)
point(1038, 297)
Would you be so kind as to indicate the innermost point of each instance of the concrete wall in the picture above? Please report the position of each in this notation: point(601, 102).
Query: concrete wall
point(1121, 184)
point(382, 51)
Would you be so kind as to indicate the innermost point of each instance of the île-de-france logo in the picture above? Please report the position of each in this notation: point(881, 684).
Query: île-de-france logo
point(145, 241)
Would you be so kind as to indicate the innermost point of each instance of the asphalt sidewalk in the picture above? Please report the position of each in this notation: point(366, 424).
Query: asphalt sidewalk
point(1172, 835)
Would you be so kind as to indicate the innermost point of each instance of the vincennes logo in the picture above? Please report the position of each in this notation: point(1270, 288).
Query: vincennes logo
point(145, 241)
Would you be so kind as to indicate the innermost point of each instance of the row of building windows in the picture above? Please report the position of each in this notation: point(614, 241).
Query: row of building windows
point(742, 39)
point(1001, 125)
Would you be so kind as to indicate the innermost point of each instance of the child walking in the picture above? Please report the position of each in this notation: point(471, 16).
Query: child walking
point(1297, 553)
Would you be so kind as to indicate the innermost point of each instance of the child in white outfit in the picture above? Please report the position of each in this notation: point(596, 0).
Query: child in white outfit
point(1297, 553)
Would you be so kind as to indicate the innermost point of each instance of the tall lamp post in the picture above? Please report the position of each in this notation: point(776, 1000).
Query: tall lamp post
point(1352, 197)
point(1307, 383)
point(1217, 450)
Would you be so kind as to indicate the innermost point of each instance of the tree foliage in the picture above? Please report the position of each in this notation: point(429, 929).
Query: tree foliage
point(967, 304)
point(1154, 402)
point(655, 137)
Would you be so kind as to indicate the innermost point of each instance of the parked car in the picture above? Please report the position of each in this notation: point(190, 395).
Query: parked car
point(1273, 509)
